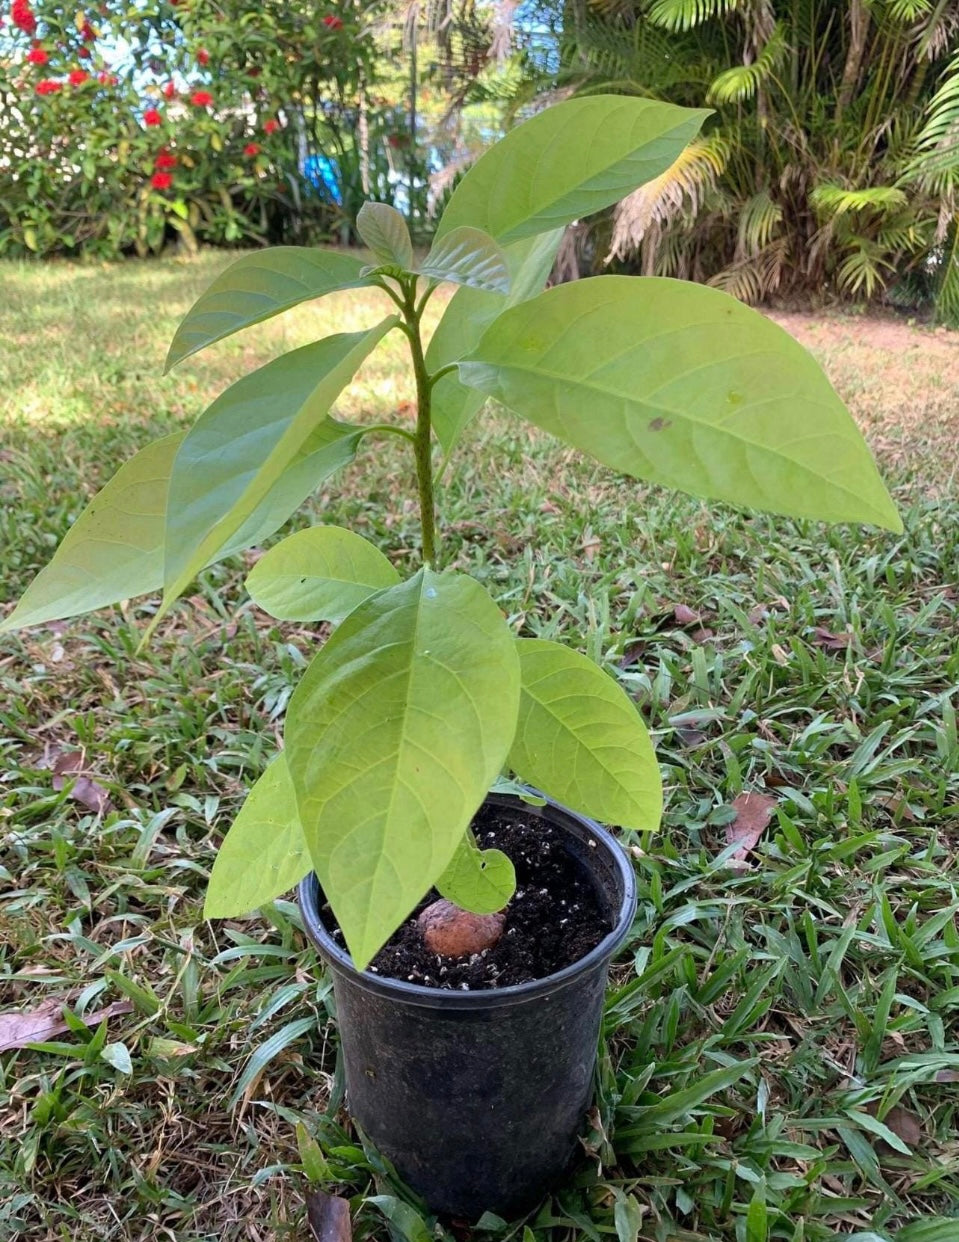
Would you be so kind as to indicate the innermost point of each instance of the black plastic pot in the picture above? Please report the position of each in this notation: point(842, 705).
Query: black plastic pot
point(477, 1098)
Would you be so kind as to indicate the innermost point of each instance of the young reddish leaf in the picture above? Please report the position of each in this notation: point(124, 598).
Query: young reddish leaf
point(329, 1217)
point(947, 1075)
point(34, 1026)
point(753, 813)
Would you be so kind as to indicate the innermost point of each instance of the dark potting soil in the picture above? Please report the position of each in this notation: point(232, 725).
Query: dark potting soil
point(554, 918)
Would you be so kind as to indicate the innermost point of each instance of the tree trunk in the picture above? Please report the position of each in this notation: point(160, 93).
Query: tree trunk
point(858, 27)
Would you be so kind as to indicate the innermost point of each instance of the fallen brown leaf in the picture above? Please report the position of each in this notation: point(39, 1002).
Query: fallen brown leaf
point(684, 615)
point(329, 1217)
point(947, 1076)
point(34, 1026)
point(753, 813)
point(68, 770)
point(830, 641)
point(900, 1121)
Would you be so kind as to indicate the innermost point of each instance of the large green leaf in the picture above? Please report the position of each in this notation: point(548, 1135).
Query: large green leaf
point(385, 232)
point(468, 315)
point(264, 853)
point(580, 739)
point(319, 574)
point(240, 446)
point(569, 161)
point(482, 881)
point(259, 286)
point(467, 256)
point(114, 550)
point(683, 385)
point(393, 737)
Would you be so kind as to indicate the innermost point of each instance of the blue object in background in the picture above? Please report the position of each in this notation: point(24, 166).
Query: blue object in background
point(323, 173)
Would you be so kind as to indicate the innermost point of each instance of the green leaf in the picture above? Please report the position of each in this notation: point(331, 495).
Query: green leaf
point(238, 449)
point(385, 233)
point(683, 385)
point(264, 853)
point(405, 1222)
point(569, 161)
point(118, 1055)
point(932, 1229)
point(266, 1052)
point(467, 256)
point(482, 881)
point(581, 740)
point(259, 286)
point(627, 1216)
point(319, 574)
point(113, 551)
point(757, 1218)
point(393, 737)
point(467, 316)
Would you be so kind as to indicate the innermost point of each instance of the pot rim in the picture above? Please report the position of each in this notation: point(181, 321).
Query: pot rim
point(340, 961)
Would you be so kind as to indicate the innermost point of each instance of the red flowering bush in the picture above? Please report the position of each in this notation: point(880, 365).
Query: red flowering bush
point(132, 151)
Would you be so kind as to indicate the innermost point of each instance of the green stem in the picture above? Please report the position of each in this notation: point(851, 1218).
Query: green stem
point(422, 441)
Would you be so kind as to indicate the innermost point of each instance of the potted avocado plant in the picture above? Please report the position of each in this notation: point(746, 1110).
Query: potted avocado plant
point(423, 698)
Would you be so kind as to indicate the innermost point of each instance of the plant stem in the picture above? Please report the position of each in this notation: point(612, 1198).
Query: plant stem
point(422, 443)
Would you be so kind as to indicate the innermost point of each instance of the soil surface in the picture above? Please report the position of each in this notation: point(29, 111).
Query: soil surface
point(554, 918)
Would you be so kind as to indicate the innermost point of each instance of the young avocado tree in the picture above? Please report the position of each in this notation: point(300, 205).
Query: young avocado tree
point(422, 697)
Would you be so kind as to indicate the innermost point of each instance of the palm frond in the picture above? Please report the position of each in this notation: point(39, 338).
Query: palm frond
point(757, 277)
point(741, 82)
point(759, 218)
point(861, 272)
point(837, 200)
point(908, 11)
point(936, 146)
point(677, 15)
point(947, 295)
point(681, 187)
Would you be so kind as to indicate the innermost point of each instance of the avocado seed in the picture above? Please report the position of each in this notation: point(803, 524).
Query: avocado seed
point(453, 932)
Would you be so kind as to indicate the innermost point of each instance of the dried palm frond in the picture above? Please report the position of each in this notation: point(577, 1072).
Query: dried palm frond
point(681, 187)
point(755, 278)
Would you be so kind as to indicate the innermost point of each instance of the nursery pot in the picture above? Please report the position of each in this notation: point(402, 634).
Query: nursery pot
point(477, 1098)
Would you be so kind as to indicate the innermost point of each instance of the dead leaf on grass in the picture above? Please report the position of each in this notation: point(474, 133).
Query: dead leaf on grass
point(830, 641)
point(329, 1217)
point(947, 1075)
point(68, 770)
point(900, 1121)
point(684, 615)
point(34, 1026)
point(753, 813)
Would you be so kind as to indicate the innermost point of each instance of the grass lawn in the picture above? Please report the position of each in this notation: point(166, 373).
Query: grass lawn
point(822, 670)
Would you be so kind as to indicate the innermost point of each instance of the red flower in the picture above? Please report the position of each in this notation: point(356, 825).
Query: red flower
point(48, 86)
point(201, 99)
point(203, 56)
point(169, 90)
point(83, 53)
point(164, 161)
point(22, 16)
point(251, 148)
point(161, 180)
point(88, 34)
point(77, 77)
point(152, 117)
point(271, 126)
point(332, 22)
point(37, 56)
